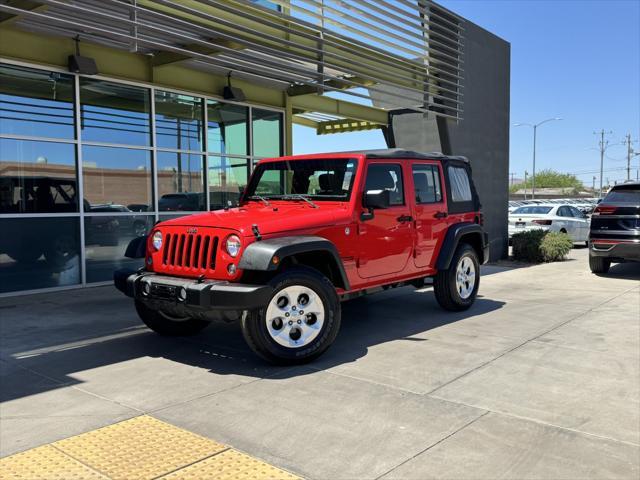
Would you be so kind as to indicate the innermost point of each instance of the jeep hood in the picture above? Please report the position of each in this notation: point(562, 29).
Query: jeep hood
point(274, 219)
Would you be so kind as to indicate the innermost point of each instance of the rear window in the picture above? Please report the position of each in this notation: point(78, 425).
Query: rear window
point(623, 195)
point(460, 186)
point(535, 210)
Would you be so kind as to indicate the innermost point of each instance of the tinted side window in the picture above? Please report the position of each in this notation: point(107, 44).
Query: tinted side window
point(564, 212)
point(386, 177)
point(426, 182)
point(459, 185)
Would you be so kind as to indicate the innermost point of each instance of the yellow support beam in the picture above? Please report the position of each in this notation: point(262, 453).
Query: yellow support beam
point(161, 59)
point(334, 84)
point(341, 108)
point(345, 125)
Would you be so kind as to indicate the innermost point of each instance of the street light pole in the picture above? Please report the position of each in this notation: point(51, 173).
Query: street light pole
point(535, 132)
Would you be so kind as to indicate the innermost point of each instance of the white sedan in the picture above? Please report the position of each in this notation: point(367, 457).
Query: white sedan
point(555, 218)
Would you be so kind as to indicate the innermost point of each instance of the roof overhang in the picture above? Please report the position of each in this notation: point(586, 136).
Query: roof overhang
point(305, 48)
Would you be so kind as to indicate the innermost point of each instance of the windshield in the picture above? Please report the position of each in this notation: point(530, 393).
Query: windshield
point(535, 210)
point(623, 195)
point(330, 179)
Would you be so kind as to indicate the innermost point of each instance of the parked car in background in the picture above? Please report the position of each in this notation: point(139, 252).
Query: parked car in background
point(554, 218)
point(615, 228)
point(185, 201)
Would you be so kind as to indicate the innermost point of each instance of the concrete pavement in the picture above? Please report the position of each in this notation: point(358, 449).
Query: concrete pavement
point(540, 379)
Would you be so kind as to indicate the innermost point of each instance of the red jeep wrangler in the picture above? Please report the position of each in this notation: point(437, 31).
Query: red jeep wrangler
point(311, 231)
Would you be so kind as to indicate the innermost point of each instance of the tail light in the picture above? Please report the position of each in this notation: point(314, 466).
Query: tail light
point(542, 222)
point(604, 210)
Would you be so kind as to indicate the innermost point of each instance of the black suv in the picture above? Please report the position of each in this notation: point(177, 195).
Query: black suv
point(615, 228)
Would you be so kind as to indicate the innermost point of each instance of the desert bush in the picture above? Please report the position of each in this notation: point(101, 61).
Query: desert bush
point(536, 246)
point(555, 246)
point(526, 245)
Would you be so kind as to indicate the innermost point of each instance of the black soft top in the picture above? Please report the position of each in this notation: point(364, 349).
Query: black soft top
point(408, 154)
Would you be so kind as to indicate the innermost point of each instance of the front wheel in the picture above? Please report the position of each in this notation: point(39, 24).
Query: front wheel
point(456, 288)
point(300, 321)
point(599, 264)
point(168, 325)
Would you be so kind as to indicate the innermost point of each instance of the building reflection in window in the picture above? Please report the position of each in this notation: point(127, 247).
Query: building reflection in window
point(36, 103)
point(179, 121)
point(116, 177)
point(39, 253)
point(180, 182)
point(37, 177)
point(267, 133)
point(114, 113)
point(227, 178)
point(228, 130)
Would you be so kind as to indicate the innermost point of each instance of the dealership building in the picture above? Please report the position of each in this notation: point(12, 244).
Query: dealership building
point(116, 114)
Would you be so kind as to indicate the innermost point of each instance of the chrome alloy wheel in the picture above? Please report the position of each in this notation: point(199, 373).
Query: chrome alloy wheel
point(465, 277)
point(295, 316)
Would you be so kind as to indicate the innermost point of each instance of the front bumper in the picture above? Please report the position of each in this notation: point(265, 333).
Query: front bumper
point(616, 250)
point(188, 293)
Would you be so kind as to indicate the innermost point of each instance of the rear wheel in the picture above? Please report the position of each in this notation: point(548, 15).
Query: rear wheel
point(300, 322)
point(456, 288)
point(599, 264)
point(168, 325)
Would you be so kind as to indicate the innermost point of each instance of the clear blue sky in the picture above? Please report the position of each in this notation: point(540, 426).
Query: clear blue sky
point(575, 59)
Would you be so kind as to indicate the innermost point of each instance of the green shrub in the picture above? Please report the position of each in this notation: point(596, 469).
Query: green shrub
point(555, 246)
point(536, 246)
point(526, 245)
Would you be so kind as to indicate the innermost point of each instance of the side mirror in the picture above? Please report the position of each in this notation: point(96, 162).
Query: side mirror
point(376, 199)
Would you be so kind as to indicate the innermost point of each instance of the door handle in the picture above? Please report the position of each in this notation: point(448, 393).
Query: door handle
point(441, 215)
point(405, 218)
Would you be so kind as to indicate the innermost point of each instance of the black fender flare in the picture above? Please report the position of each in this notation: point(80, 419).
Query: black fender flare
point(259, 255)
point(137, 247)
point(452, 239)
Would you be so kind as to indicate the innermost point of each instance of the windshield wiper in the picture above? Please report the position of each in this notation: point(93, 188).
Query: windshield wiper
point(300, 196)
point(261, 198)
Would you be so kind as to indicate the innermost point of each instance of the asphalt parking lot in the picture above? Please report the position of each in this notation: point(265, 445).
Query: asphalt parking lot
point(540, 379)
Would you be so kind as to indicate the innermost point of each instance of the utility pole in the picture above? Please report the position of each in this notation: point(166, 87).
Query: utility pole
point(593, 187)
point(629, 155)
point(603, 147)
point(512, 174)
point(525, 184)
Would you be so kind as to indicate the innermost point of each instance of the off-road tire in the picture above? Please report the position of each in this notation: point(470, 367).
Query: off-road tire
point(256, 334)
point(599, 264)
point(444, 283)
point(163, 324)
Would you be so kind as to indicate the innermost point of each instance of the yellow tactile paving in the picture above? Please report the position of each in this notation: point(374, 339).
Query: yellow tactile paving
point(142, 448)
point(45, 463)
point(230, 465)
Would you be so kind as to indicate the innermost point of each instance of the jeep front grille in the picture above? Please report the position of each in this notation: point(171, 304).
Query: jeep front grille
point(190, 252)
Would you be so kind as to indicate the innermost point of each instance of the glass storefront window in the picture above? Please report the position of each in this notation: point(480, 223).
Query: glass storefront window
point(228, 130)
point(37, 177)
point(180, 182)
point(106, 240)
point(36, 103)
point(227, 178)
point(114, 113)
point(179, 121)
point(115, 178)
point(39, 253)
point(267, 133)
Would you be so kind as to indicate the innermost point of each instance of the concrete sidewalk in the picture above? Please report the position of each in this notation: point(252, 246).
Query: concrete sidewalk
point(540, 379)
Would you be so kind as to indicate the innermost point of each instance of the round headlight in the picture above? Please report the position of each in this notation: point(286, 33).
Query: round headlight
point(156, 240)
point(232, 245)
